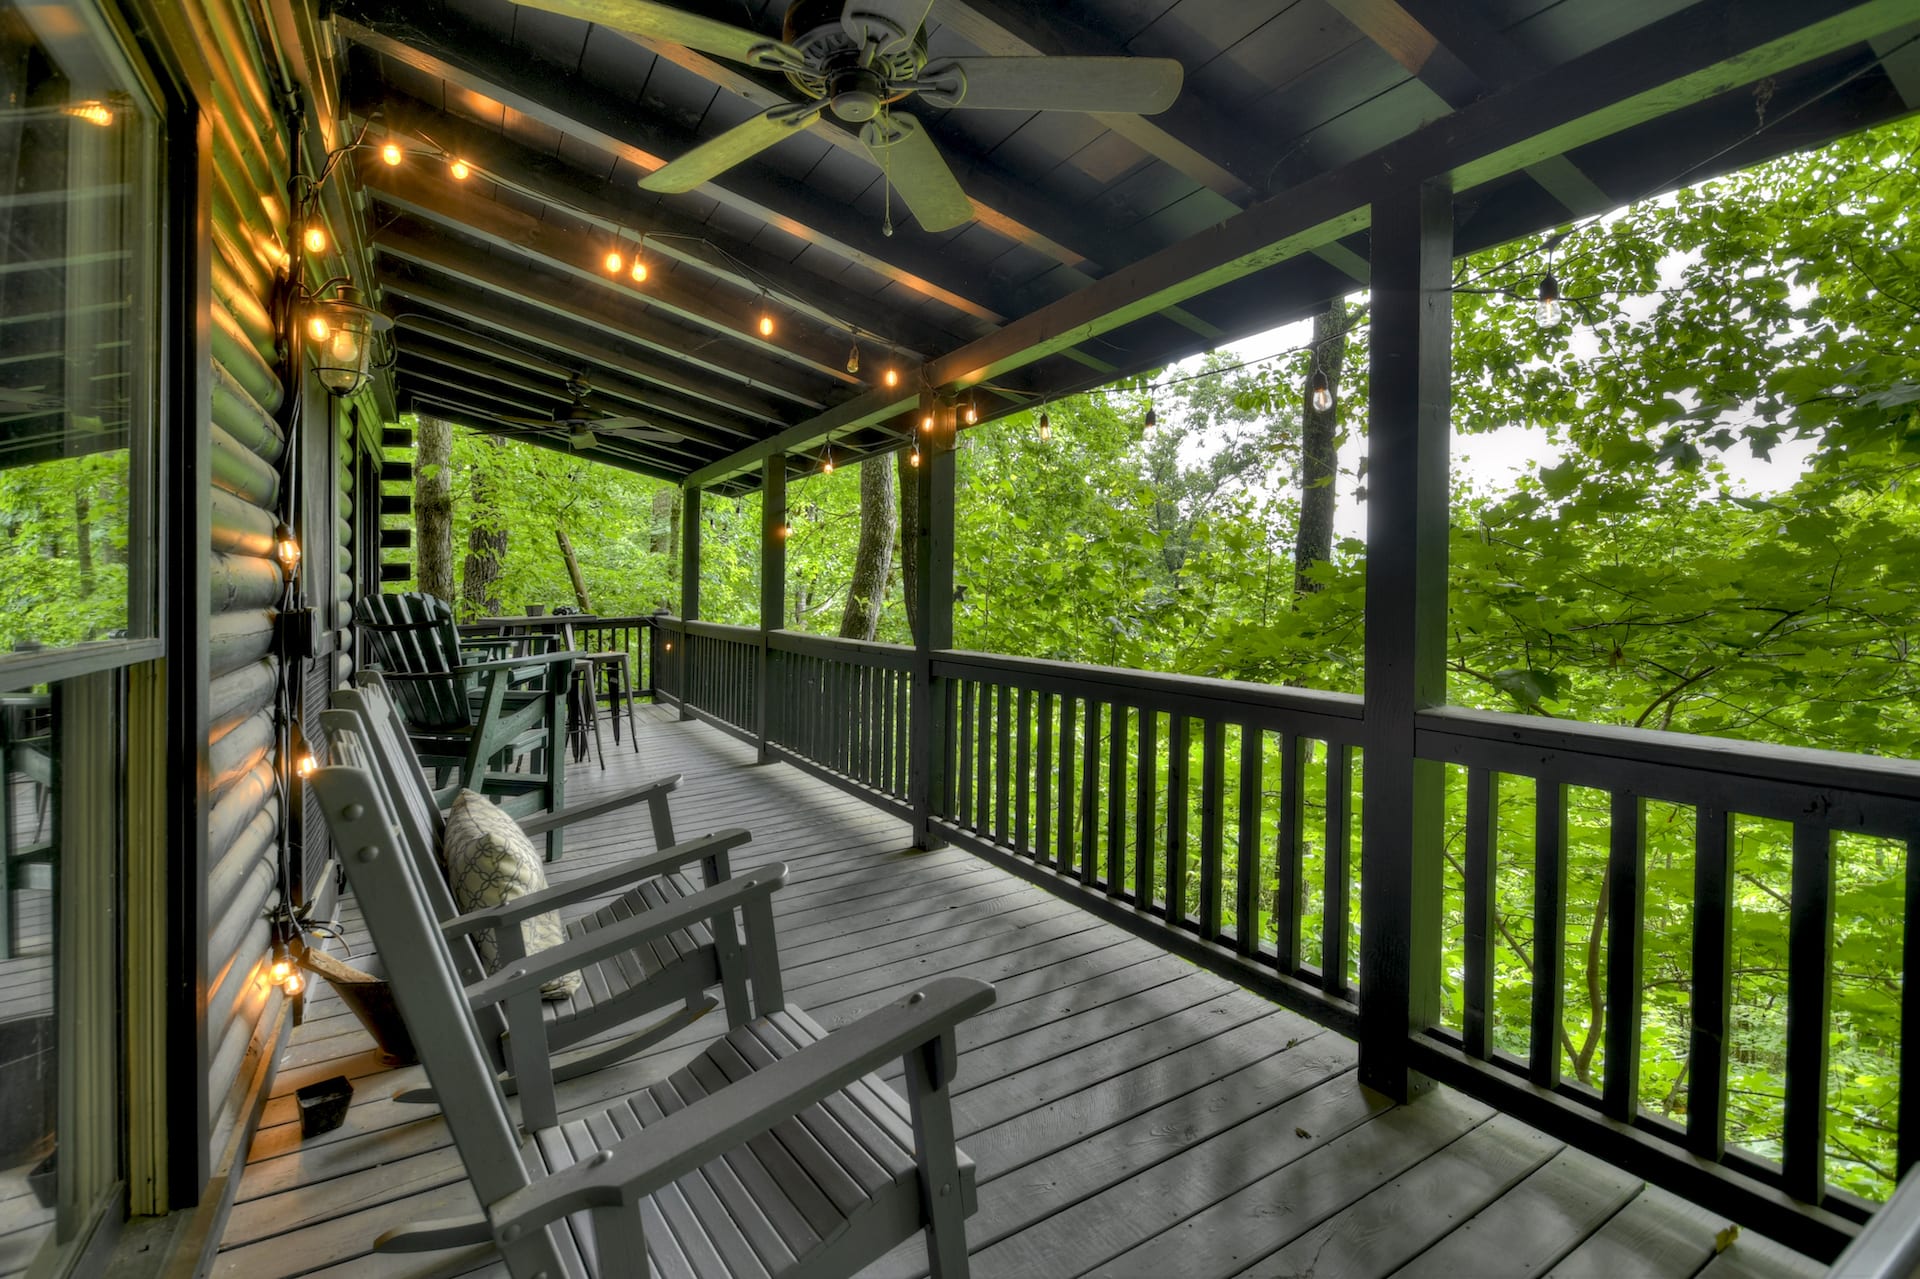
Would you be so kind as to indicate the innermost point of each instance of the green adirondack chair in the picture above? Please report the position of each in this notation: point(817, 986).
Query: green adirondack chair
point(498, 727)
point(777, 1149)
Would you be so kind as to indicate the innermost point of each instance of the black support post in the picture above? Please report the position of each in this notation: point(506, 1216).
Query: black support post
point(1402, 805)
point(690, 525)
point(773, 585)
point(933, 627)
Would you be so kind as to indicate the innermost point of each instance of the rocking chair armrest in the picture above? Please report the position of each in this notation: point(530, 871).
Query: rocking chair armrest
point(542, 822)
point(517, 663)
point(692, 1137)
point(587, 887)
point(526, 976)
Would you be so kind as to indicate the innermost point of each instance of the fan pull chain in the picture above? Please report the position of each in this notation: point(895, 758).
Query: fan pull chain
point(886, 177)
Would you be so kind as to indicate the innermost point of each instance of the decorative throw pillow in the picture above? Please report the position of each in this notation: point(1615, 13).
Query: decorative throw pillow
point(490, 862)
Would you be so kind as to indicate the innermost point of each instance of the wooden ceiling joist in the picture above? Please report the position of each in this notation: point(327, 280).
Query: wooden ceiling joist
point(1664, 67)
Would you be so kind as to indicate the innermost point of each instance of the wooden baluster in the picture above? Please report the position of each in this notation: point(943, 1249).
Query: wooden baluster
point(964, 809)
point(983, 788)
point(1337, 873)
point(1213, 748)
point(1809, 1009)
point(1626, 909)
point(1713, 941)
point(1246, 868)
point(1146, 787)
point(1043, 783)
point(1288, 845)
point(1549, 930)
point(902, 730)
point(1023, 773)
point(948, 784)
point(1063, 811)
point(1177, 818)
point(1117, 803)
point(1482, 862)
point(1090, 794)
point(1002, 763)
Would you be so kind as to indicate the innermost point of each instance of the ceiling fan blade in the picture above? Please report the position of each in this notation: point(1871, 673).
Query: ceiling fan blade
point(900, 146)
point(1135, 86)
point(891, 24)
point(742, 142)
point(524, 421)
point(632, 428)
point(582, 439)
point(677, 26)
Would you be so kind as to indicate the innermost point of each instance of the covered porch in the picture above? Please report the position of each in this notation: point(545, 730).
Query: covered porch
point(1130, 1112)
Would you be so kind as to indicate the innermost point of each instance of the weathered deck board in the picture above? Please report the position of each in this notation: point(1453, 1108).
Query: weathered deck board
point(1130, 1115)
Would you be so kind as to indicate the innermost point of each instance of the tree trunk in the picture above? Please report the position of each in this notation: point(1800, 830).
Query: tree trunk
point(909, 525)
point(664, 535)
point(874, 556)
point(486, 550)
point(573, 571)
point(83, 540)
point(433, 507)
point(1313, 541)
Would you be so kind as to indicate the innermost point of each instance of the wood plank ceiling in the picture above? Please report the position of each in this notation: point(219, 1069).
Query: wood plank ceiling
point(1099, 245)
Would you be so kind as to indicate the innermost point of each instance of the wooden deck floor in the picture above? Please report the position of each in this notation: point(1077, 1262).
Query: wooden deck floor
point(1130, 1114)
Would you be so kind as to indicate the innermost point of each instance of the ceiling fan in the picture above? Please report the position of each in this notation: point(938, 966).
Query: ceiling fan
point(583, 425)
point(857, 59)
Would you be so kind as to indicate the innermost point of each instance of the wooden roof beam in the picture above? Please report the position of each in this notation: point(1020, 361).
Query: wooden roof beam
point(465, 415)
point(675, 236)
point(568, 348)
point(745, 384)
point(509, 230)
point(1705, 50)
point(457, 54)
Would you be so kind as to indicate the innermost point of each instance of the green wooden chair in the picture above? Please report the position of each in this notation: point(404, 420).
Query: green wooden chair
point(496, 726)
point(666, 982)
point(776, 1150)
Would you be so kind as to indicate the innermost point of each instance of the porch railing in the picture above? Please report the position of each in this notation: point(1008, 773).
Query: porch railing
point(1219, 818)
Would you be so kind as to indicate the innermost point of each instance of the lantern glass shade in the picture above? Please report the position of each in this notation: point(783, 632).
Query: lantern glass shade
point(344, 355)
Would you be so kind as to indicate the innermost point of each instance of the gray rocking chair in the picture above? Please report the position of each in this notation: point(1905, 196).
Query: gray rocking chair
point(498, 726)
point(776, 1149)
point(666, 980)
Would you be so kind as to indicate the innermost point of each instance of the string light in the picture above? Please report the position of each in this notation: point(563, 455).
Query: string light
point(96, 113)
point(1547, 312)
point(460, 170)
point(766, 319)
point(913, 459)
point(1319, 390)
point(282, 970)
point(1152, 419)
point(973, 411)
point(639, 269)
point(826, 458)
point(294, 984)
point(315, 238)
point(306, 767)
point(286, 548)
point(926, 423)
point(391, 153)
point(853, 356)
point(782, 531)
point(614, 261)
point(1046, 426)
point(891, 377)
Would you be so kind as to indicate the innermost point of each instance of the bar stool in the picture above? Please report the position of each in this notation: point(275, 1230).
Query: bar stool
point(619, 673)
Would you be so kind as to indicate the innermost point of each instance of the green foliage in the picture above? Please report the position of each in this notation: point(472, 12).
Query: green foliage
point(63, 549)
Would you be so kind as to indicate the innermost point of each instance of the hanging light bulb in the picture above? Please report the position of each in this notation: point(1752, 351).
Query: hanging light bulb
point(639, 269)
point(891, 377)
point(306, 767)
point(1152, 419)
point(926, 423)
point(853, 357)
point(1046, 427)
point(1319, 391)
point(826, 460)
point(282, 970)
point(783, 530)
point(1547, 312)
point(614, 261)
point(286, 548)
point(391, 153)
point(973, 411)
point(460, 170)
point(315, 238)
point(913, 458)
point(766, 321)
point(294, 984)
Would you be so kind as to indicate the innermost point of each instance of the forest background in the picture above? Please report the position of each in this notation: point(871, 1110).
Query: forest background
point(1713, 530)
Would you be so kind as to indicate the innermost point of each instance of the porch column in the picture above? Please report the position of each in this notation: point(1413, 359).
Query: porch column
point(773, 583)
point(933, 626)
point(690, 523)
point(1402, 808)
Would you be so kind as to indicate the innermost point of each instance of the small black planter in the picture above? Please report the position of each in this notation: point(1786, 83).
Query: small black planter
point(323, 1105)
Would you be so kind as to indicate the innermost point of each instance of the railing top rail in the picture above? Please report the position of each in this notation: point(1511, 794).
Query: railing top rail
point(1687, 766)
point(720, 631)
point(1333, 715)
point(857, 652)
